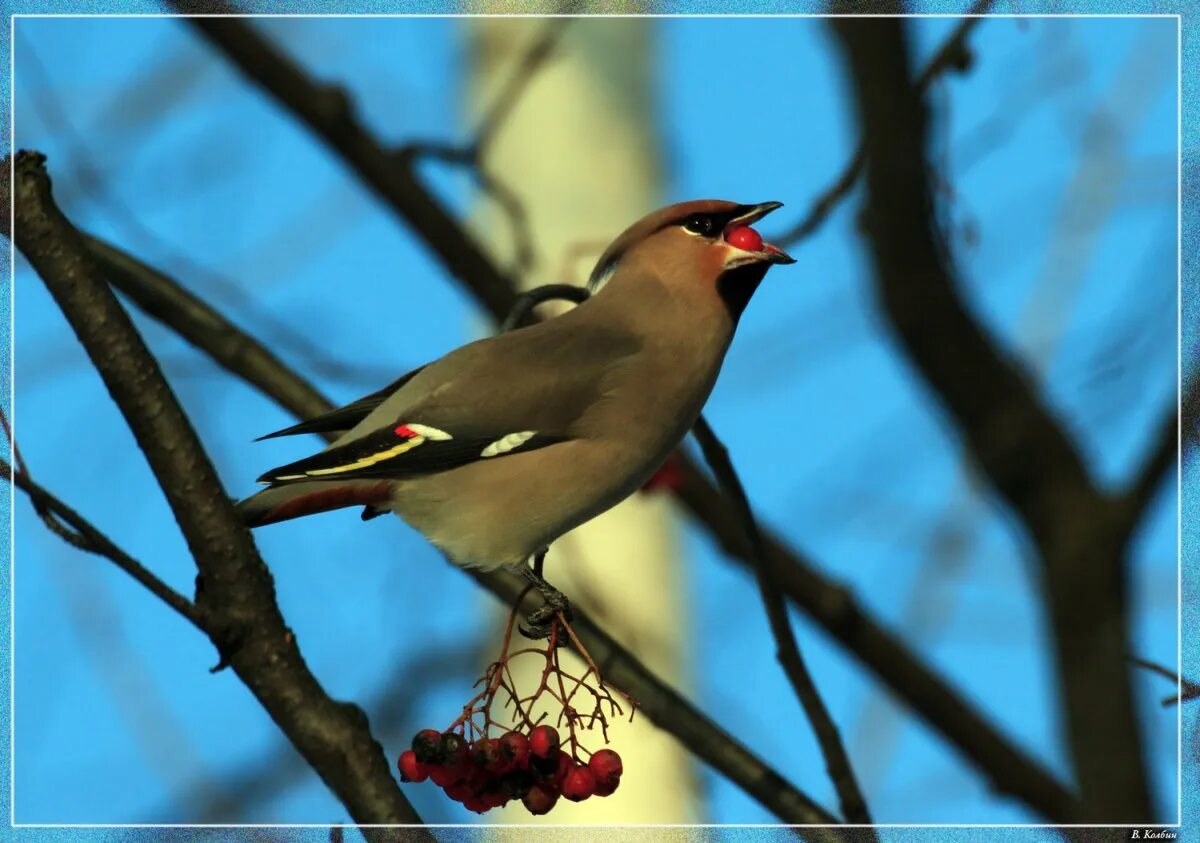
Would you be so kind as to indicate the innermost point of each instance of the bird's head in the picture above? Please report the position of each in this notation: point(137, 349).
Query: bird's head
point(706, 245)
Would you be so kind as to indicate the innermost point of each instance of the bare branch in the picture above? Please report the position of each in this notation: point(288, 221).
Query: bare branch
point(76, 530)
point(328, 111)
point(1175, 432)
point(235, 592)
point(1023, 451)
point(854, 806)
point(952, 55)
point(514, 87)
point(834, 608)
point(1188, 690)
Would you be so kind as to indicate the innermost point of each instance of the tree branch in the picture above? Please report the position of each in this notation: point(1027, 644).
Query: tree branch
point(1188, 690)
point(854, 806)
point(834, 608)
point(235, 592)
point(76, 530)
point(1177, 430)
point(952, 55)
point(1020, 447)
point(329, 112)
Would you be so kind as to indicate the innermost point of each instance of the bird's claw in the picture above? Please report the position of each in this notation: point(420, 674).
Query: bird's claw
point(555, 605)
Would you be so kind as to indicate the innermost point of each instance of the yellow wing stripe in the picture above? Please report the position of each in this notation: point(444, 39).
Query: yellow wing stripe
point(370, 460)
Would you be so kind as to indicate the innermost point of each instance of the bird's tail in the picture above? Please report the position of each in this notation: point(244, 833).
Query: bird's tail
point(292, 500)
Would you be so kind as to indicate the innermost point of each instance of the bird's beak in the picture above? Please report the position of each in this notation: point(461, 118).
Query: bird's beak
point(744, 217)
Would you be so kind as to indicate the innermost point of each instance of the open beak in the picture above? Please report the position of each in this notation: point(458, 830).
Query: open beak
point(745, 216)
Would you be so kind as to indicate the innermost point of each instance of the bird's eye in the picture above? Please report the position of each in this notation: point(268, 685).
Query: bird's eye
point(698, 224)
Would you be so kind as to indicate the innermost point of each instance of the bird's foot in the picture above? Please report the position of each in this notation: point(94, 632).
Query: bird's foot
point(555, 605)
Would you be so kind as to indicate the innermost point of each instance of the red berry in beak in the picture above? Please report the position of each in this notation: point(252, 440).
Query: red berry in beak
point(745, 237)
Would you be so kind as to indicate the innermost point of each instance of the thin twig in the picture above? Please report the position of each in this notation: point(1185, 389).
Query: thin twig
point(523, 74)
point(77, 531)
point(854, 806)
point(952, 55)
point(328, 111)
point(1188, 690)
point(473, 155)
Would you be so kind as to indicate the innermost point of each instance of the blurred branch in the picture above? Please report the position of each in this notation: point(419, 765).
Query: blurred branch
point(473, 155)
point(504, 103)
point(235, 598)
point(1188, 690)
point(92, 182)
point(952, 55)
point(854, 807)
point(1023, 451)
point(1178, 431)
point(329, 112)
point(834, 608)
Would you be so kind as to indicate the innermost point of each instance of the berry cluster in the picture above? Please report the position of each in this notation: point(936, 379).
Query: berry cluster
point(493, 771)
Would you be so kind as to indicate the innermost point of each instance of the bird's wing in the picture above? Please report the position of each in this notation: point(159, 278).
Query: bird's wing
point(407, 450)
point(504, 395)
point(344, 418)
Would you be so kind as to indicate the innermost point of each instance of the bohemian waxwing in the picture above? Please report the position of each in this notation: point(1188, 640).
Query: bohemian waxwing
point(507, 443)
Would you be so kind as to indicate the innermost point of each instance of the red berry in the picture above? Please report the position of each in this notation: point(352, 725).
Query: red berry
point(516, 783)
point(476, 804)
point(494, 798)
point(515, 748)
point(606, 788)
point(564, 766)
point(540, 799)
point(449, 776)
point(579, 784)
point(427, 746)
point(606, 765)
point(453, 748)
point(485, 754)
point(543, 741)
point(460, 792)
point(412, 770)
point(745, 237)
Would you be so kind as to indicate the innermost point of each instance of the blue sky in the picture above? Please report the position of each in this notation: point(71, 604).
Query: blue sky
point(1060, 148)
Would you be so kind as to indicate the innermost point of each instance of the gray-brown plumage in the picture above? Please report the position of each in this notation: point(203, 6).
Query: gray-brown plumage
point(505, 444)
